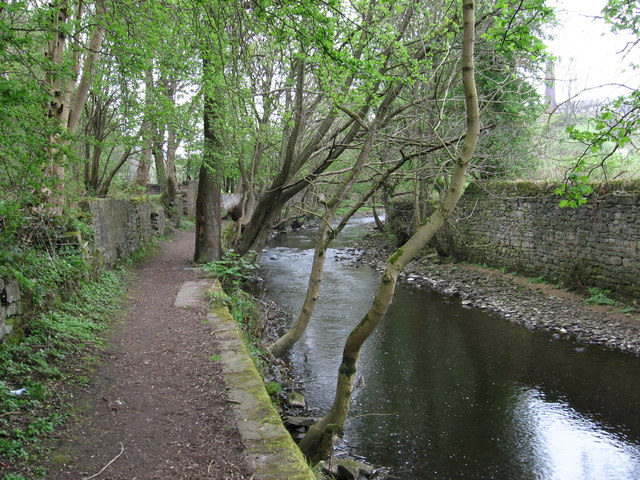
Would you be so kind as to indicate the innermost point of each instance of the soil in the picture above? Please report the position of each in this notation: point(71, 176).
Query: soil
point(156, 407)
point(537, 306)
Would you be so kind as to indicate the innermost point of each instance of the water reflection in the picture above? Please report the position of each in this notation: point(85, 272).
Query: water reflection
point(449, 392)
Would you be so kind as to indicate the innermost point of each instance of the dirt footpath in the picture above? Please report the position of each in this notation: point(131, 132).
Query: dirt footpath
point(157, 407)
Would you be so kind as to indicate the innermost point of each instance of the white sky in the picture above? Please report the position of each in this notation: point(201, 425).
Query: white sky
point(588, 53)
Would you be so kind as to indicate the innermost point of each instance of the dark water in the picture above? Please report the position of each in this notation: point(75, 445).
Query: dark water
point(448, 392)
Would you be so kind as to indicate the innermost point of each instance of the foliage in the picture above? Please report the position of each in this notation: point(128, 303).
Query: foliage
point(575, 191)
point(273, 388)
point(604, 137)
point(244, 310)
point(232, 270)
point(44, 357)
point(623, 15)
point(599, 296)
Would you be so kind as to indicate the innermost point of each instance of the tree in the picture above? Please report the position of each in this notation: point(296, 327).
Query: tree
point(208, 224)
point(597, 141)
point(340, 69)
point(317, 442)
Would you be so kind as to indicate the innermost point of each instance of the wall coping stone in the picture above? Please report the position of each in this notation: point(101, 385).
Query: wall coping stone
point(271, 452)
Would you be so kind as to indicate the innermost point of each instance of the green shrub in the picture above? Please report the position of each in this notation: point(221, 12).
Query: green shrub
point(232, 270)
point(599, 296)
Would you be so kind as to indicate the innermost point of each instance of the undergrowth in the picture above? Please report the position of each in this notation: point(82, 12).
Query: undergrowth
point(600, 296)
point(30, 369)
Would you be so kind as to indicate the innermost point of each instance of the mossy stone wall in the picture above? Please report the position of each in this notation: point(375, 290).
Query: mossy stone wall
point(122, 226)
point(520, 226)
point(9, 305)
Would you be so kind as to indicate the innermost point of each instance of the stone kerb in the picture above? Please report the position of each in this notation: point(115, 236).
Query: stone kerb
point(271, 452)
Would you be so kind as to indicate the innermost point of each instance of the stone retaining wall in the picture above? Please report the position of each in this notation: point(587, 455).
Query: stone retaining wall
point(122, 226)
point(524, 230)
point(9, 304)
point(520, 227)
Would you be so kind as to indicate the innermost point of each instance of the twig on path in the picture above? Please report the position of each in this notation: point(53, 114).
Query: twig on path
point(108, 464)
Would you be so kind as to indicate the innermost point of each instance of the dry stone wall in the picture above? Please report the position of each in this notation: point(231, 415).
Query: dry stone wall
point(122, 226)
point(520, 226)
point(9, 304)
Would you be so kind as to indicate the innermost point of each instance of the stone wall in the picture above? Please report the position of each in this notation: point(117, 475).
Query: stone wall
point(122, 226)
point(519, 226)
point(9, 304)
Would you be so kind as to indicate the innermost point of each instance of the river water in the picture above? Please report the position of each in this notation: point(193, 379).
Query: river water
point(449, 392)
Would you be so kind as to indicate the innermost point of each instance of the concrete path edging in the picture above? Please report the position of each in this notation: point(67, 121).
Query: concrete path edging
point(271, 452)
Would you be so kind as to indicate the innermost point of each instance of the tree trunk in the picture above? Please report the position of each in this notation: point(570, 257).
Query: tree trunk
point(147, 133)
point(68, 100)
point(208, 224)
point(158, 157)
point(172, 182)
point(325, 236)
point(144, 162)
point(317, 442)
point(172, 147)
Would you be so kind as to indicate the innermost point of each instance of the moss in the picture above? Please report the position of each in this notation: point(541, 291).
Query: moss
point(532, 188)
point(269, 435)
point(396, 255)
point(631, 187)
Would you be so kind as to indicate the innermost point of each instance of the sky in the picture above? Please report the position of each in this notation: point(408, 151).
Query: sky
point(588, 53)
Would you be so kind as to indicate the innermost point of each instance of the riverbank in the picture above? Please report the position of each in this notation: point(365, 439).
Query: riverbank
point(536, 306)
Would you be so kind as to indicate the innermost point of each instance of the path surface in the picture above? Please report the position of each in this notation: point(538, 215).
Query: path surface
point(157, 396)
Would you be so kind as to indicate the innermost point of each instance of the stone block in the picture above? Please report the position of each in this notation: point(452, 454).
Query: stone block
point(11, 292)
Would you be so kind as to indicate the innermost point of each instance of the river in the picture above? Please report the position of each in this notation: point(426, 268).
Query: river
point(449, 392)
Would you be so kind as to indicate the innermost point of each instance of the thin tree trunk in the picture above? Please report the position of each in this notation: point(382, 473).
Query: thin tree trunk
point(325, 236)
point(172, 147)
point(68, 100)
point(158, 157)
point(147, 132)
point(172, 182)
point(317, 442)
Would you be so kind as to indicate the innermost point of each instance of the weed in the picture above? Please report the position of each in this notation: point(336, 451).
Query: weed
point(220, 299)
point(628, 310)
point(599, 296)
point(215, 357)
point(273, 388)
point(186, 225)
point(232, 270)
point(539, 279)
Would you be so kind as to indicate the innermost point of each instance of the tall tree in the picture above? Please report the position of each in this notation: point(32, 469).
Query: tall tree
point(318, 440)
point(208, 246)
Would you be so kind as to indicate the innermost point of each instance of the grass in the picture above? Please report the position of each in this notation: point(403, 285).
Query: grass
point(53, 341)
